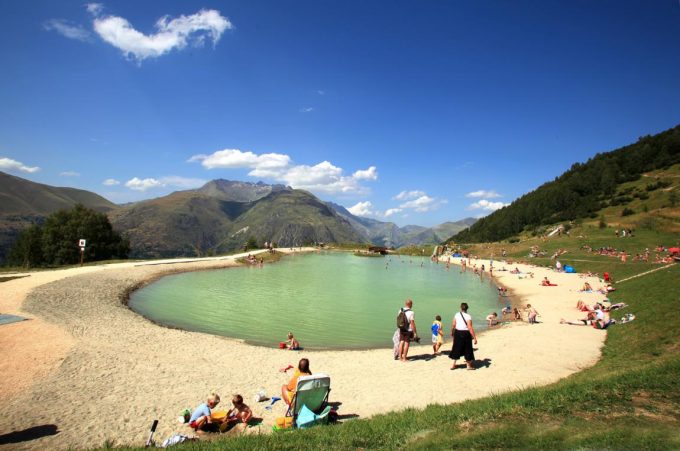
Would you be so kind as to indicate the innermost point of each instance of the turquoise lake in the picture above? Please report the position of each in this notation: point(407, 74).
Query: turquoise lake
point(328, 300)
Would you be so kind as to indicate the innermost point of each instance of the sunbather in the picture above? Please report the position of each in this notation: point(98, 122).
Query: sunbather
point(546, 283)
point(588, 321)
point(586, 287)
point(288, 391)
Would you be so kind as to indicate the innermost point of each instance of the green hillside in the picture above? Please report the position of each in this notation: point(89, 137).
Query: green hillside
point(581, 192)
point(23, 203)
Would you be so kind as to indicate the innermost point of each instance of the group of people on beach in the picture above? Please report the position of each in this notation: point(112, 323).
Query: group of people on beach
point(205, 419)
point(462, 331)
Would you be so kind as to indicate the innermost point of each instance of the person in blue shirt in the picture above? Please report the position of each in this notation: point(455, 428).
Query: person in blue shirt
point(200, 418)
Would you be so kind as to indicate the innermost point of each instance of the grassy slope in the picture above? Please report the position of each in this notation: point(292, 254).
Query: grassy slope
point(630, 399)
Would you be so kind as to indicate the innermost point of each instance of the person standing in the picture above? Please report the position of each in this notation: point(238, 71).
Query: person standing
point(405, 336)
point(463, 337)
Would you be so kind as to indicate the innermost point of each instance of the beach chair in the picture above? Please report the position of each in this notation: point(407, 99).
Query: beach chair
point(311, 391)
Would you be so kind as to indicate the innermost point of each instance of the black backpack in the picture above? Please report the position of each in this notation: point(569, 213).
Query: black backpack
point(402, 320)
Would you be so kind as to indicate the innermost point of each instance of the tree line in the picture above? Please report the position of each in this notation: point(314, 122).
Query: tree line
point(580, 192)
point(55, 241)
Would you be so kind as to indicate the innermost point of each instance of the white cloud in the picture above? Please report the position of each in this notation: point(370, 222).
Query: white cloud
point(392, 211)
point(7, 164)
point(423, 203)
point(323, 177)
point(486, 205)
point(138, 184)
point(94, 8)
point(110, 182)
point(67, 29)
point(368, 174)
point(69, 174)
point(490, 194)
point(308, 109)
point(404, 195)
point(362, 209)
point(234, 158)
point(320, 92)
point(170, 33)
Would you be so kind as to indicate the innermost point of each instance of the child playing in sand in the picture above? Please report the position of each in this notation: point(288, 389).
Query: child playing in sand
point(437, 335)
point(240, 413)
point(516, 314)
point(532, 314)
point(201, 418)
point(293, 344)
point(492, 319)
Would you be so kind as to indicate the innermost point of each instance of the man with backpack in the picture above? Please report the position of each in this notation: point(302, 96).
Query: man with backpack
point(407, 329)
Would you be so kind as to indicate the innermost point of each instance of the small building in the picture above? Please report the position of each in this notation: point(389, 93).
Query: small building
point(378, 250)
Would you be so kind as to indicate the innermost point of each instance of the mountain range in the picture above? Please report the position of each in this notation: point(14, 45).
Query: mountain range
point(218, 217)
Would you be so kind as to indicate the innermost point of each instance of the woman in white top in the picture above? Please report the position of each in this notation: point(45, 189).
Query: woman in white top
point(463, 336)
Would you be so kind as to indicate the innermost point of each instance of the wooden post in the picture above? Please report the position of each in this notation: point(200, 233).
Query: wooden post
point(82, 255)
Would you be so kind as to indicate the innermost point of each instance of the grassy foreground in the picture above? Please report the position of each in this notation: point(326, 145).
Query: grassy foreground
point(630, 399)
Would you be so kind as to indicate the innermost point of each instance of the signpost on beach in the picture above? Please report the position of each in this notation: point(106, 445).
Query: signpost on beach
point(81, 245)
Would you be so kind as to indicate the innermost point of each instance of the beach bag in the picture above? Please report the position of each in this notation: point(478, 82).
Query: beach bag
point(402, 321)
point(306, 418)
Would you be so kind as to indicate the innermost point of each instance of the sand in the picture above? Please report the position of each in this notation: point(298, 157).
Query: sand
point(89, 368)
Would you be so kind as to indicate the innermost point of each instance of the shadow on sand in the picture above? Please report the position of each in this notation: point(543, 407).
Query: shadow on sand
point(29, 434)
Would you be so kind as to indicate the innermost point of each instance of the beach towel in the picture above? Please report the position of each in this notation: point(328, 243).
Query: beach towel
point(7, 319)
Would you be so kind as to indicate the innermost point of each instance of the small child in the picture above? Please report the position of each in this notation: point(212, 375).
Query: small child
point(240, 413)
point(492, 319)
point(437, 334)
point(293, 344)
point(532, 314)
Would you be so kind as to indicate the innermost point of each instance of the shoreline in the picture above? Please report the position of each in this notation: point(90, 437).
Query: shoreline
point(136, 371)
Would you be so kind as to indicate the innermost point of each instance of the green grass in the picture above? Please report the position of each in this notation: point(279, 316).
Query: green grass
point(630, 399)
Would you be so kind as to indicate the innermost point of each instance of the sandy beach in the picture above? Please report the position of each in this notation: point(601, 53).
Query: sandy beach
point(96, 370)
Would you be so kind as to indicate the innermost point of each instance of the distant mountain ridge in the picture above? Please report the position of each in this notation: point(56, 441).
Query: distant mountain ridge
point(222, 215)
point(390, 235)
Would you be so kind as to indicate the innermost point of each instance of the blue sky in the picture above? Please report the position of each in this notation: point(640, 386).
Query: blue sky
point(413, 112)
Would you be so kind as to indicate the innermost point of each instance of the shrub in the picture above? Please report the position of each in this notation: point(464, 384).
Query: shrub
point(602, 224)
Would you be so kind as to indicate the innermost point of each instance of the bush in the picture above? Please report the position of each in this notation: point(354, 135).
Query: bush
point(627, 212)
point(513, 240)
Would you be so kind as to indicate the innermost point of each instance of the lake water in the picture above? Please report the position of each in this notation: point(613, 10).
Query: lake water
point(329, 300)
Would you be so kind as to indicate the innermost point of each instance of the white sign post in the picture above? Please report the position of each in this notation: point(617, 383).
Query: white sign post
point(81, 245)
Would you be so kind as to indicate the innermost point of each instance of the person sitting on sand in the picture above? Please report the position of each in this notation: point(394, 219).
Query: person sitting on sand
point(288, 391)
point(240, 413)
point(293, 344)
point(586, 287)
point(532, 314)
point(515, 271)
point(492, 319)
point(506, 310)
point(582, 306)
point(516, 314)
point(546, 283)
point(200, 419)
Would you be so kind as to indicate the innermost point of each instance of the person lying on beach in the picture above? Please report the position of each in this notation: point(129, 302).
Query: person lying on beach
point(288, 391)
point(516, 271)
point(240, 413)
point(586, 288)
point(492, 319)
point(588, 321)
point(293, 344)
point(201, 420)
point(546, 283)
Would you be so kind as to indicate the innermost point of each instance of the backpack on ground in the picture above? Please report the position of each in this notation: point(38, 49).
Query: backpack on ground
point(402, 320)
